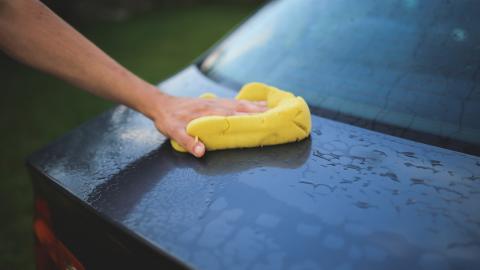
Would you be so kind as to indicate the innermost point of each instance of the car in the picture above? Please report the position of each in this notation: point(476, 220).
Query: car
point(388, 179)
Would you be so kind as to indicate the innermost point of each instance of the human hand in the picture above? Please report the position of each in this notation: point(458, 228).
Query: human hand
point(32, 33)
point(173, 114)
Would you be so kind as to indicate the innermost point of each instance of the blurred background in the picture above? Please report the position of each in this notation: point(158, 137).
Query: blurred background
point(153, 38)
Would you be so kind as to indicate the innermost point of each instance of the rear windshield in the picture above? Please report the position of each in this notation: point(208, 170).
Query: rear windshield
point(406, 67)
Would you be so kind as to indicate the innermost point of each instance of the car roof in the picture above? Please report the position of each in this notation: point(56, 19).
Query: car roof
point(345, 197)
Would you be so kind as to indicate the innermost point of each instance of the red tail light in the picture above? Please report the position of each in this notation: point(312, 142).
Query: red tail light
point(50, 252)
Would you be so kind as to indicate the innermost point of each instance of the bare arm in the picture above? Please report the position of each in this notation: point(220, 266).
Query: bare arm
point(34, 35)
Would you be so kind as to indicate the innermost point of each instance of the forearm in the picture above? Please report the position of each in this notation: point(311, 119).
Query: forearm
point(33, 34)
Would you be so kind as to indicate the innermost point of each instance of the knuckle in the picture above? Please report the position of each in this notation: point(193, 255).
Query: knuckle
point(178, 133)
point(240, 105)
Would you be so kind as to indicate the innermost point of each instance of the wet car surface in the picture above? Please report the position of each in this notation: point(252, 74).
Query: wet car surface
point(345, 197)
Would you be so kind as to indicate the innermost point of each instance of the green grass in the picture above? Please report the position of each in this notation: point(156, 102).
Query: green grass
point(36, 108)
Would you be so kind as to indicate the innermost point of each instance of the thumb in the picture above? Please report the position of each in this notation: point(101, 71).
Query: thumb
point(191, 144)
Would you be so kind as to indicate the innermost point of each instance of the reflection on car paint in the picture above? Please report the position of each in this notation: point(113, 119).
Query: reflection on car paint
point(344, 198)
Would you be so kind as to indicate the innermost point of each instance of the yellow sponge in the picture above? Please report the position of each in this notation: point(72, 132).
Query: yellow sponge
point(286, 120)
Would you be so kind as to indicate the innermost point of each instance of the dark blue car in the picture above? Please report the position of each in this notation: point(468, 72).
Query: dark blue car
point(388, 179)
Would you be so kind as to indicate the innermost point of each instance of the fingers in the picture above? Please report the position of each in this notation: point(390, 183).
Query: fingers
point(174, 119)
point(242, 113)
point(261, 103)
point(191, 144)
point(225, 107)
point(251, 107)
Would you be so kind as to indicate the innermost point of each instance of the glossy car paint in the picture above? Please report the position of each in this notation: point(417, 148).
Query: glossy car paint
point(346, 198)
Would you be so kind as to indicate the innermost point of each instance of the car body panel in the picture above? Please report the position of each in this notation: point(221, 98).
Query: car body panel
point(344, 198)
point(397, 67)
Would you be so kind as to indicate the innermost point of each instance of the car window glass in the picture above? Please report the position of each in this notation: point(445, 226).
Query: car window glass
point(413, 65)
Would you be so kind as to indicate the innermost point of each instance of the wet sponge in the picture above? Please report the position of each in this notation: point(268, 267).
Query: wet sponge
point(286, 120)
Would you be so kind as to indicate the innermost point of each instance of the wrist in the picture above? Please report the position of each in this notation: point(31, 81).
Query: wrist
point(155, 103)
